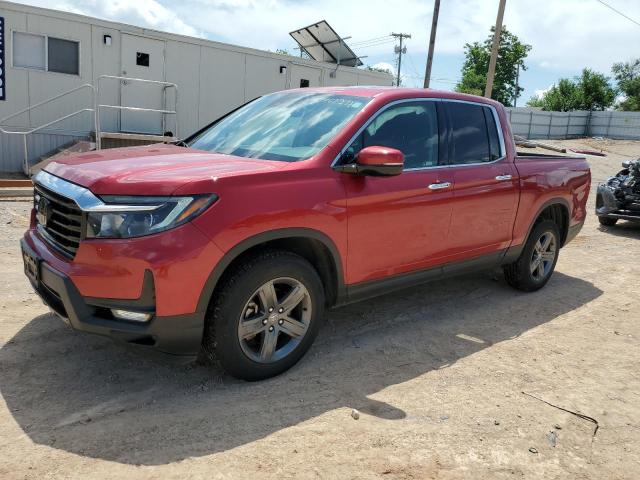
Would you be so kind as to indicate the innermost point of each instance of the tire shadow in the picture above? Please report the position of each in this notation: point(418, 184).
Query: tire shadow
point(622, 229)
point(89, 396)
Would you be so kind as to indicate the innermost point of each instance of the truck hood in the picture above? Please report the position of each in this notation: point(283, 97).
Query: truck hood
point(154, 169)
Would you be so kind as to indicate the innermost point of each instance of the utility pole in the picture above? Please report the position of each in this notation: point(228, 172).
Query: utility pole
point(494, 50)
point(432, 43)
point(400, 50)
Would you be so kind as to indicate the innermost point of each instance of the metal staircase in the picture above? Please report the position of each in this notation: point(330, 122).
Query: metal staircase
point(103, 139)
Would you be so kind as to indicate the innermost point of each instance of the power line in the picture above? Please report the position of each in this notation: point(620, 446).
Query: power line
point(374, 42)
point(371, 40)
point(373, 45)
point(619, 12)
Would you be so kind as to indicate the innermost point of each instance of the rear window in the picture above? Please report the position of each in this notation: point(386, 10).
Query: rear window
point(474, 134)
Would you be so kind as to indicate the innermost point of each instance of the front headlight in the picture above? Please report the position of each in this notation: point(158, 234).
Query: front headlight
point(126, 217)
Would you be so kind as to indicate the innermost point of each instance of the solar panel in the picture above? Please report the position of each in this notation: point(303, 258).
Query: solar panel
point(323, 44)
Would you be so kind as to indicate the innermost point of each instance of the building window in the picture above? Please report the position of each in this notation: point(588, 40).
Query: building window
point(304, 83)
point(63, 56)
point(50, 54)
point(28, 51)
point(142, 59)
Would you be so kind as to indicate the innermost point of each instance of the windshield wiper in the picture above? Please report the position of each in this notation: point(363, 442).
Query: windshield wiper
point(181, 143)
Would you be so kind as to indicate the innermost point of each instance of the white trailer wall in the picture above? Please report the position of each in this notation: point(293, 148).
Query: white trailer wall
point(212, 78)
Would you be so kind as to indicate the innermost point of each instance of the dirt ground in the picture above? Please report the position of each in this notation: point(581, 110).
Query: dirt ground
point(461, 379)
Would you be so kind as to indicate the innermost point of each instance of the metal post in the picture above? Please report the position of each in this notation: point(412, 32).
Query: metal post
point(432, 43)
point(164, 107)
point(609, 124)
point(530, 123)
point(175, 106)
point(26, 155)
point(494, 50)
point(550, 122)
point(96, 113)
point(566, 135)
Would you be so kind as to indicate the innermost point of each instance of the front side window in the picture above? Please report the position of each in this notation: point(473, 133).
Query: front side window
point(411, 127)
point(474, 135)
point(40, 52)
point(281, 126)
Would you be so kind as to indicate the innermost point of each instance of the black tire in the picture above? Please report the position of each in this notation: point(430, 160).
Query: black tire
point(221, 342)
point(607, 221)
point(518, 274)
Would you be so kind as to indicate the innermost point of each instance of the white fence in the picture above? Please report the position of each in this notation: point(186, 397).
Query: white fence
point(534, 123)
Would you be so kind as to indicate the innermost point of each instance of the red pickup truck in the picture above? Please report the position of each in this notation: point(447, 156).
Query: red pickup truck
point(234, 241)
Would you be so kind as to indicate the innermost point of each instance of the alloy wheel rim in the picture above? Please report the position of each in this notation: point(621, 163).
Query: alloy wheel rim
point(274, 320)
point(543, 256)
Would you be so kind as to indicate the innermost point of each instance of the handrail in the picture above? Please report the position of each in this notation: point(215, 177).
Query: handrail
point(163, 111)
point(40, 127)
point(139, 109)
point(31, 107)
point(95, 97)
point(24, 134)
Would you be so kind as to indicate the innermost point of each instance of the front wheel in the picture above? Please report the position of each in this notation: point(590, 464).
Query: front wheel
point(266, 315)
point(538, 258)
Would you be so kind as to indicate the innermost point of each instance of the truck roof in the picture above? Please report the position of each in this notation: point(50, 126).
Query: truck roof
point(394, 93)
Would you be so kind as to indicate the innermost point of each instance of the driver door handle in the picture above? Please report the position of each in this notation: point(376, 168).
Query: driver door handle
point(439, 186)
point(502, 178)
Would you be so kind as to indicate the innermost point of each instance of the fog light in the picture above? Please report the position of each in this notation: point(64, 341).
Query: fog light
point(131, 316)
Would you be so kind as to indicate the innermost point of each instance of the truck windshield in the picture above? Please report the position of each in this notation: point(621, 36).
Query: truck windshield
point(281, 126)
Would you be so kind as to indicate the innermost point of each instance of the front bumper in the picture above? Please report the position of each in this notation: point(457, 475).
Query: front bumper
point(177, 334)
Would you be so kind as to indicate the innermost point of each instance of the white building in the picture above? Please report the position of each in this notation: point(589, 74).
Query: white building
point(44, 53)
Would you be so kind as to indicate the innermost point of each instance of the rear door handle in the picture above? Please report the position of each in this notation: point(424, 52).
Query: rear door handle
point(503, 177)
point(439, 186)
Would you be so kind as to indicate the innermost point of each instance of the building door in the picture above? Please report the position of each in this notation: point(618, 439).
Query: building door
point(142, 58)
point(303, 76)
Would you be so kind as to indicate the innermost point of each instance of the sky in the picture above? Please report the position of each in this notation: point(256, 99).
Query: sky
point(565, 35)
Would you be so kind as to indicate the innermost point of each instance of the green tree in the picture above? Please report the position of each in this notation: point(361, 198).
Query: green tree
point(511, 55)
point(590, 91)
point(596, 91)
point(627, 76)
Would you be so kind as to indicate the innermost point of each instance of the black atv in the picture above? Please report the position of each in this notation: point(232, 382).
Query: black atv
point(619, 197)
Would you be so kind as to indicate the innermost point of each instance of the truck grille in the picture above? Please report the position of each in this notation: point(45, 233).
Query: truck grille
point(59, 220)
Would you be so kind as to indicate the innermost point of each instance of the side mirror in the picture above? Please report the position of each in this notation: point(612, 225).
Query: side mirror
point(376, 161)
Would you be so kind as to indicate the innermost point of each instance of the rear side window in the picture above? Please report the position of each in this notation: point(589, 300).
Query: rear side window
point(474, 137)
point(492, 130)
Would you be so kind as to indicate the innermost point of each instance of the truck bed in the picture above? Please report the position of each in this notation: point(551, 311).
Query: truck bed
point(545, 156)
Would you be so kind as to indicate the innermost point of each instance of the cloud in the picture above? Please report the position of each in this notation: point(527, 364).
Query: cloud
point(567, 35)
point(384, 66)
point(143, 13)
point(542, 92)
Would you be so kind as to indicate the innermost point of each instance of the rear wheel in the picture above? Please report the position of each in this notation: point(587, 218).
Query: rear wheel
point(607, 221)
point(266, 315)
point(538, 258)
